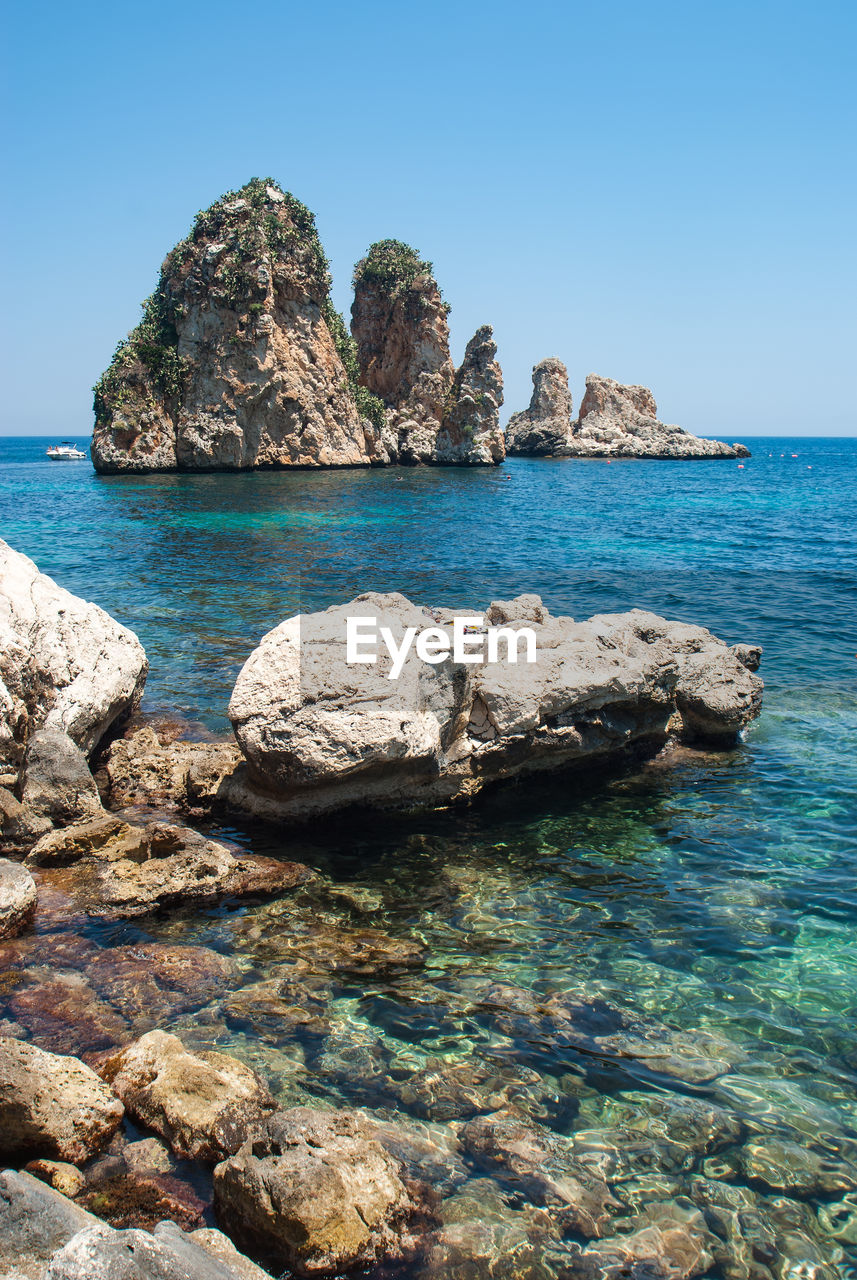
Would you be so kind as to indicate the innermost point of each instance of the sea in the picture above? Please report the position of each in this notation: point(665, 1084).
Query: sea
point(715, 894)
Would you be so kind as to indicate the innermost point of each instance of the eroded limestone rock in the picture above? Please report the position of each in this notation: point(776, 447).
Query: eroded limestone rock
point(52, 1106)
point(238, 361)
point(320, 733)
point(202, 1105)
point(65, 664)
point(117, 869)
point(17, 898)
point(319, 1191)
point(618, 421)
point(545, 427)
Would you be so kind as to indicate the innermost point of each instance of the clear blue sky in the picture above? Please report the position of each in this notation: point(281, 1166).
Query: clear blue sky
point(660, 192)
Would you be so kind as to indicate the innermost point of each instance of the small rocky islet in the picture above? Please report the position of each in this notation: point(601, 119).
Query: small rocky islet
point(186, 1086)
point(241, 361)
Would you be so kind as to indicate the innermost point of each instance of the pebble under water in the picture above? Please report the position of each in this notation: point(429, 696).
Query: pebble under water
point(655, 965)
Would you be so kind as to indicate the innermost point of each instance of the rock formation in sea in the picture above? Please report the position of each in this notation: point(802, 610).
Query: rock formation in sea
point(615, 421)
point(431, 413)
point(65, 664)
point(240, 359)
point(545, 427)
point(620, 421)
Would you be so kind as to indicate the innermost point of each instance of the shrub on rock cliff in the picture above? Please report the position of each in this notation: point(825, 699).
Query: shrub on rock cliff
point(393, 266)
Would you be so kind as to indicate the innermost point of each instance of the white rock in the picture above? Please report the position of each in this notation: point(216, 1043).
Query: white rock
point(319, 733)
point(64, 663)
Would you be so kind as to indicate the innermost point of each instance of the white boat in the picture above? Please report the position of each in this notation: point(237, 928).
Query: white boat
point(65, 451)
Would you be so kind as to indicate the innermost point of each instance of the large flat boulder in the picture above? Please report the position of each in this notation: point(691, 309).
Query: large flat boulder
point(320, 732)
point(51, 1105)
point(64, 663)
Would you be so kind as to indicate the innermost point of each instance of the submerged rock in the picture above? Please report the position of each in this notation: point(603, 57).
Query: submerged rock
point(64, 1014)
point(64, 664)
point(545, 427)
point(318, 1191)
point(52, 1106)
point(143, 1199)
point(670, 1252)
point(619, 421)
point(17, 898)
point(320, 733)
point(120, 870)
point(240, 360)
point(594, 1026)
point(202, 1105)
point(542, 1167)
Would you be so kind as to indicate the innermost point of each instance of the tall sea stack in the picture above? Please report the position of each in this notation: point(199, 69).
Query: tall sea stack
point(240, 360)
point(431, 413)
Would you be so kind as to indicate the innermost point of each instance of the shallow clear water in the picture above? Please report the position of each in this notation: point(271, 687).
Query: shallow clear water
point(714, 896)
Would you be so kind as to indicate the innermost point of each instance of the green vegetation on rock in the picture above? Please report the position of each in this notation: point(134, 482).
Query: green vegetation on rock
point(368, 405)
point(226, 244)
point(152, 344)
point(393, 266)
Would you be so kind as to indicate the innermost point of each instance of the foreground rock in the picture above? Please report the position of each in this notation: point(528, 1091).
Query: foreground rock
point(17, 898)
point(320, 733)
point(55, 781)
point(238, 360)
point(202, 1105)
point(52, 1106)
point(619, 421)
point(44, 1236)
point(428, 412)
point(117, 869)
point(64, 664)
point(317, 1190)
point(545, 428)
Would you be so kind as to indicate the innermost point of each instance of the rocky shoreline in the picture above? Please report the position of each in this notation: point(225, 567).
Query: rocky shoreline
point(130, 1134)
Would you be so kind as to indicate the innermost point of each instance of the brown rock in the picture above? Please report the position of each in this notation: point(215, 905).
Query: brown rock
point(65, 1014)
point(143, 1200)
point(200, 1104)
point(316, 1190)
point(121, 870)
point(52, 1106)
point(62, 1177)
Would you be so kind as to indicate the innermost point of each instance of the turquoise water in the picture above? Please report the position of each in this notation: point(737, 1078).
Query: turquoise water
point(717, 896)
